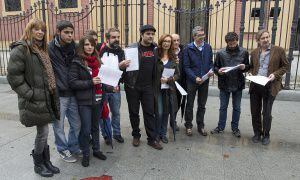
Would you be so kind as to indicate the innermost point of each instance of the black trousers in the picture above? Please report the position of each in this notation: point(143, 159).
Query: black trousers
point(145, 96)
point(202, 90)
point(261, 103)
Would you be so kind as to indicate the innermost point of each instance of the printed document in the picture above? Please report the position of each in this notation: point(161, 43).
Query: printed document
point(262, 80)
point(109, 76)
point(132, 54)
point(167, 73)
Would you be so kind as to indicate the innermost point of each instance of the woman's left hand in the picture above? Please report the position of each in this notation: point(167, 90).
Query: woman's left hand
point(163, 80)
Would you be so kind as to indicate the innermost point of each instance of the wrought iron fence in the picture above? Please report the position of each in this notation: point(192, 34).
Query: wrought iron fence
point(217, 17)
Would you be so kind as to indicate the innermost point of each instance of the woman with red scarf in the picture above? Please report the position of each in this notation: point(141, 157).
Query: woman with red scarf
point(83, 78)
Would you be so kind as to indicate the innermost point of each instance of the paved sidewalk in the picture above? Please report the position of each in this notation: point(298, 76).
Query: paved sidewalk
point(213, 157)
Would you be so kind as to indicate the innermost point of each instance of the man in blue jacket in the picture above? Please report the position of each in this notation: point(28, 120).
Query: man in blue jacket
point(197, 62)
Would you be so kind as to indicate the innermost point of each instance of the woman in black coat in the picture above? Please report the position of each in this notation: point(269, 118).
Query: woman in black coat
point(89, 92)
point(167, 98)
point(31, 76)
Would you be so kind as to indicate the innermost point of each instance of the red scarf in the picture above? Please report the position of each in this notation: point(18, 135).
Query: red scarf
point(94, 64)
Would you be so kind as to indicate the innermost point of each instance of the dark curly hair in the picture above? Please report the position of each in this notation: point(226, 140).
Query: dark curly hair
point(231, 36)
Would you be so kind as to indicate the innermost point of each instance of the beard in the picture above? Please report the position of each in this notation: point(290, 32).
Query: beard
point(115, 44)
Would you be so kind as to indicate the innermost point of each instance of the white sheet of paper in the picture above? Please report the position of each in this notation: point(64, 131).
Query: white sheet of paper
point(228, 69)
point(132, 54)
point(262, 80)
point(109, 75)
point(205, 77)
point(110, 60)
point(167, 73)
point(180, 89)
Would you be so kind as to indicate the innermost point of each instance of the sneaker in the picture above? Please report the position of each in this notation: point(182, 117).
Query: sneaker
point(265, 140)
point(155, 145)
point(67, 156)
point(236, 133)
point(217, 130)
point(119, 138)
point(256, 139)
point(99, 155)
point(164, 139)
point(107, 141)
point(85, 161)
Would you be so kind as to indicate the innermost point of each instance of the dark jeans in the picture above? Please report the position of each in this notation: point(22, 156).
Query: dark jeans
point(236, 108)
point(165, 109)
point(261, 102)
point(202, 98)
point(90, 117)
point(145, 96)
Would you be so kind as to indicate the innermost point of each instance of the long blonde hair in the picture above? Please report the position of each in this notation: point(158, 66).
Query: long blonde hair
point(38, 24)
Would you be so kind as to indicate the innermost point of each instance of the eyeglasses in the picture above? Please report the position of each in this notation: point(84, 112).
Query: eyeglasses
point(200, 35)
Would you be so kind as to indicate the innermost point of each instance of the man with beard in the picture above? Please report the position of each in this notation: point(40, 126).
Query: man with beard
point(269, 61)
point(232, 82)
point(61, 52)
point(140, 88)
point(106, 50)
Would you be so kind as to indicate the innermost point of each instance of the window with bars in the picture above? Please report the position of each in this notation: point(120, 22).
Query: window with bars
point(12, 5)
point(273, 11)
point(63, 4)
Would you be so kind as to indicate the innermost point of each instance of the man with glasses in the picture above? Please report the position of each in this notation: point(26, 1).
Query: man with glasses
point(197, 62)
point(269, 61)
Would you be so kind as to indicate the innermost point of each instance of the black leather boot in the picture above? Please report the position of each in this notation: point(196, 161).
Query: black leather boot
point(47, 162)
point(39, 166)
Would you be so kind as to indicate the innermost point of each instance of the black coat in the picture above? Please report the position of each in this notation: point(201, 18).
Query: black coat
point(233, 80)
point(182, 79)
point(80, 80)
point(171, 83)
point(130, 77)
point(61, 58)
point(27, 77)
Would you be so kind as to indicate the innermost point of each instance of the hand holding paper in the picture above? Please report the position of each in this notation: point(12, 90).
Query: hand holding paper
point(228, 69)
point(166, 74)
point(272, 77)
point(206, 76)
point(132, 54)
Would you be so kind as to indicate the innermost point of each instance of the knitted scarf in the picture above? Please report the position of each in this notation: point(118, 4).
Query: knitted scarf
point(45, 59)
point(94, 64)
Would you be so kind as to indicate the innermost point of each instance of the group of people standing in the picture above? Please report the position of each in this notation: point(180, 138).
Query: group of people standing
point(61, 80)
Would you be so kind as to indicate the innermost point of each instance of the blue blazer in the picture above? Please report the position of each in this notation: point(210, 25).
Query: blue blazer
point(193, 65)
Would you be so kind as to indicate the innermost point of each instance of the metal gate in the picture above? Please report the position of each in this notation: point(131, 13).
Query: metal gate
point(217, 17)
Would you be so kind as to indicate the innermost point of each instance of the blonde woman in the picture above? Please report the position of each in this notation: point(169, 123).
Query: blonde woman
point(31, 76)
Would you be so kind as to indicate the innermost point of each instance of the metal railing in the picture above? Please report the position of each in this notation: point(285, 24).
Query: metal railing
point(245, 17)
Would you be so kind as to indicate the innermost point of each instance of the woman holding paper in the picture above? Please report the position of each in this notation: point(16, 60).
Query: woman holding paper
point(83, 78)
point(168, 73)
